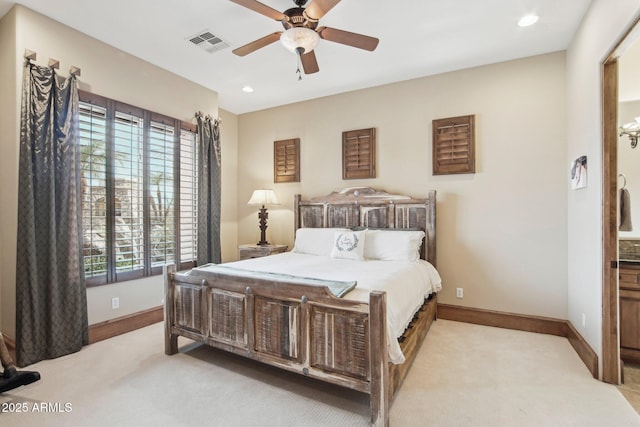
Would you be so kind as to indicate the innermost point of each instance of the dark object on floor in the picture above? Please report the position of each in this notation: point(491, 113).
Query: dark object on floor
point(11, 377)
point(17, 378)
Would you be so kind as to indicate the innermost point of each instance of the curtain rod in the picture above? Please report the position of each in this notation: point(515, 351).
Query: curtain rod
point(30, 55)
point(208, 116)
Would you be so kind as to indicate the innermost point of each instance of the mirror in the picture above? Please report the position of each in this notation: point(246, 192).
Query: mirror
point(629, 157)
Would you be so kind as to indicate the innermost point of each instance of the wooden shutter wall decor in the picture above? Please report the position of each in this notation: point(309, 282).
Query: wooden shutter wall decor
point(359, 154)
point(454, 145)
point(286, 160)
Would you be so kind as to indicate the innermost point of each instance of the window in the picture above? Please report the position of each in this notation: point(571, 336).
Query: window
point(138, 191)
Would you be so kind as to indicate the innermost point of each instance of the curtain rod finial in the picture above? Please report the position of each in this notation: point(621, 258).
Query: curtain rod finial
point(29, 55)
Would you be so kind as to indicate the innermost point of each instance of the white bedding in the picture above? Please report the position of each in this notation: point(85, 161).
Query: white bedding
point(406, 283)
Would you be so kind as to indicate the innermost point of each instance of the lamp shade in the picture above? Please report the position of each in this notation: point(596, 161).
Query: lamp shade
point(263, 198)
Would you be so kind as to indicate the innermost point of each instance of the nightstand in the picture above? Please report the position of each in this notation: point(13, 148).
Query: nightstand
point(257, 251)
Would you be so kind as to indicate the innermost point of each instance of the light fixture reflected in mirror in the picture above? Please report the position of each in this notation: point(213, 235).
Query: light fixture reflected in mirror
point(632, 130)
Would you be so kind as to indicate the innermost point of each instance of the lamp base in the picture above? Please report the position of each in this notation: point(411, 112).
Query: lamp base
point(263, 215)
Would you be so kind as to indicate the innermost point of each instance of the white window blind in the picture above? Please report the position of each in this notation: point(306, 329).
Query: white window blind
point(93, 181)
point(161, 193)
point(128, 209)
point(188, 197)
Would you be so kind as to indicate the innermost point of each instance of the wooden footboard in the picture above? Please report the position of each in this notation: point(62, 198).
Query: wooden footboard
point(297, 327)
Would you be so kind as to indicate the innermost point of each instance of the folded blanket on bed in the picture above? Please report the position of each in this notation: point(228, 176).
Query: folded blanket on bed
point(337, 288)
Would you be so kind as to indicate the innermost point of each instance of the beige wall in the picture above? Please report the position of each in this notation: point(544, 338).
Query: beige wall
point(603, 26)
point(229, 223)
point(115, 74)
point(501, 231)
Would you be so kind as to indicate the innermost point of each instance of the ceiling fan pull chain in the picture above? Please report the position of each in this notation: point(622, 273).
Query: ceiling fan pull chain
point(298, 69)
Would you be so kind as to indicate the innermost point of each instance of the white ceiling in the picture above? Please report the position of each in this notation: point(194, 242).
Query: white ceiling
point(417, 38)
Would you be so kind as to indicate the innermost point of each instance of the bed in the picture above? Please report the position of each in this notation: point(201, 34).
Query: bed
point(285, 311)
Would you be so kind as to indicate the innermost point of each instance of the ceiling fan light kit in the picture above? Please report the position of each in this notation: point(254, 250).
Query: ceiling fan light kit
point(302, 33)
point(299, 37)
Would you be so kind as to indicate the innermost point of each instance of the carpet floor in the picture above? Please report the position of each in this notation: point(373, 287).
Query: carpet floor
point(464, 375)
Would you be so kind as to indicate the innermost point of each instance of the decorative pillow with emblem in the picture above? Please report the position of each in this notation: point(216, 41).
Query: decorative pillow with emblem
point(349, 245)
point(315, 241)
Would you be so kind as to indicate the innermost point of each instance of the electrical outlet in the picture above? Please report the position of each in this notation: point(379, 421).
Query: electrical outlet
point(459, 293)
point(115, 303)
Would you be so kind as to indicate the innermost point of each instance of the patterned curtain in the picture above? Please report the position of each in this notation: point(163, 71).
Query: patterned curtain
point(208, 190)
point(51, 299)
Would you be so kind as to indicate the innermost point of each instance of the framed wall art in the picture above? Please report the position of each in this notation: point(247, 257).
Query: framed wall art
point(454, 145)
point(579, 173)
point(359, 154)
point(286, 160)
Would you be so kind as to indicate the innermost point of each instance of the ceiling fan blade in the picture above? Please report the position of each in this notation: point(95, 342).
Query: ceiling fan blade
point(257, 44)
point(351, 39)
point(263, 9)
point(318, 8)
point(309, 63)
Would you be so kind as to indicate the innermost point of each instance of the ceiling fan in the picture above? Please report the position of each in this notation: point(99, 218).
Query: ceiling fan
point(302, 32)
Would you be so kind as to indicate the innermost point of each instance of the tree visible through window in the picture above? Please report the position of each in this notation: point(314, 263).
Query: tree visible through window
point(138, 191)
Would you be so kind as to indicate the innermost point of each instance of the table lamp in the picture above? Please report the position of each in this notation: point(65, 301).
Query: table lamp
point(263, 198)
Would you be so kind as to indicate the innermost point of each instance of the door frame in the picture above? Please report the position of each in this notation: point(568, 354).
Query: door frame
point(610, 303)
point(610, 329)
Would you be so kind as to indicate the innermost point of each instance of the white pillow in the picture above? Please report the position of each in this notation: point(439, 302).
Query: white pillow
point(349, 245)
point(315, 241)
point(393, 245)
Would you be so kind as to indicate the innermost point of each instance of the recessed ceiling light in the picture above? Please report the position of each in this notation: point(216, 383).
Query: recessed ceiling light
point(528, 20)
point(247, 89)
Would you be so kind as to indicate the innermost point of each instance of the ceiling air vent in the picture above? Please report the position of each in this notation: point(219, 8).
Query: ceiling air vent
point(207, 41)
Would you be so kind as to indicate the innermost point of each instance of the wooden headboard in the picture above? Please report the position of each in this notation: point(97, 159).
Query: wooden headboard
point(367, 207)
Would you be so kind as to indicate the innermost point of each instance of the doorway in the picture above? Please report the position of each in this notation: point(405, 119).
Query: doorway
point(611, 366)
